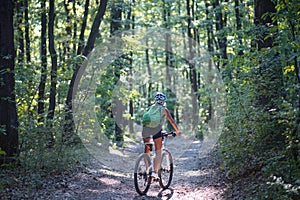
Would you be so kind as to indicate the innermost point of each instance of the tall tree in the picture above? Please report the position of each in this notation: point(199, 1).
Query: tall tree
point(27, 36)
point(66, 43)
point(130, 25)
point(270, 69)
point(192, 64)
point(115, 28)
point(210, 48)
point(263, 19)
point(8, 110)
point(53, 55)
point(83, 27)
point(42, 84)
point(69, 121)
point(149, 71)
point(221, 19)
point(169, 60)
point(168, 47)
point(238, 17)
point(20, 32)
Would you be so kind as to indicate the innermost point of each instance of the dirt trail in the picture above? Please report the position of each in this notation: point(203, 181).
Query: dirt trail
point(195, 178)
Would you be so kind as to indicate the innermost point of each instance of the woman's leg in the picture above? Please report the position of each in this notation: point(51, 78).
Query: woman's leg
point(158, 153)
point(147, 150)
point(147, 147)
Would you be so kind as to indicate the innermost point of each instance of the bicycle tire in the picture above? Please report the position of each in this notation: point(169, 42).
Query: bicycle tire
point(165, 172)
point(142, 172)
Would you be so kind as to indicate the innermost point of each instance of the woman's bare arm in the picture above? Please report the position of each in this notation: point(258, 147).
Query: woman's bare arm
point(171, 120)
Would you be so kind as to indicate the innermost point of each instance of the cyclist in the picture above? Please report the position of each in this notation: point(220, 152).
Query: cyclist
point(156, 134)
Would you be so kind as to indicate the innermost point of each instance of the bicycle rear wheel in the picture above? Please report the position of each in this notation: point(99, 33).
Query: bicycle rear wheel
point(142, 172)
point(165, 172)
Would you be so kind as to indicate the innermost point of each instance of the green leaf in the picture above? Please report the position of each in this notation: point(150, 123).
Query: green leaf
point(2, 152)
point(288, 69)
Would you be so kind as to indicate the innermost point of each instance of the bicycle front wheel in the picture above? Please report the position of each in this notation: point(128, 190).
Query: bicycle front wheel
point(142, 172)
point(165, 172)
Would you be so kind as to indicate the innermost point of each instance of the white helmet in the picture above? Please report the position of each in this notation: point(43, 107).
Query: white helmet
point(160, 98)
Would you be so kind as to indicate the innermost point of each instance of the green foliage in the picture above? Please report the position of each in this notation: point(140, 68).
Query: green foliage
point(2, 152)
point(200, 132)
point(261, 127)
point(36, 170)
point(105, 95)
point(261, 130)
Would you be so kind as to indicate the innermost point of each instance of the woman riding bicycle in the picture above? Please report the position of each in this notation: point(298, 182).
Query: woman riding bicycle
point(155, 131)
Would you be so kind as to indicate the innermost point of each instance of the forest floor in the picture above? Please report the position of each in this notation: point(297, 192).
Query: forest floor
point(196, 177)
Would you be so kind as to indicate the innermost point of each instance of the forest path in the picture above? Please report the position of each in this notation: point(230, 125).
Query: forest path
point(196, 177)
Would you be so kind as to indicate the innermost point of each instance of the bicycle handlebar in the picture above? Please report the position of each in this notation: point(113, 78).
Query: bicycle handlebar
point(165, 133)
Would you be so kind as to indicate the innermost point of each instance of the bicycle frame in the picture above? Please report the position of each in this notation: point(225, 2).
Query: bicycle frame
point(144, 176)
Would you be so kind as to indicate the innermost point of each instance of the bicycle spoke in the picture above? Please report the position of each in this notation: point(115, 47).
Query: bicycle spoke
point(141, 174)
point(166, 170)
point(143, 169)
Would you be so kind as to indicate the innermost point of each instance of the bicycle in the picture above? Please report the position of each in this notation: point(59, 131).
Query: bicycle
point(143, 168)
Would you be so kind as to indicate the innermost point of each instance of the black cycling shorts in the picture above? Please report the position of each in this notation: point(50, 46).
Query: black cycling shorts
point(157, 135)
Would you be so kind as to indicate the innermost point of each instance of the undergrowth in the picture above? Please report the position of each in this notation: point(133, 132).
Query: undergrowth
point(34, 169)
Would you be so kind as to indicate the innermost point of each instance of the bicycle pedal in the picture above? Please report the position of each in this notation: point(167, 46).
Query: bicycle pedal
point(153, 179)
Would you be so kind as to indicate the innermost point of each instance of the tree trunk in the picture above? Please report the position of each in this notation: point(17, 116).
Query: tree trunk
point(238, 25)
point(269, 69)
point(74, 38)
point(168, 47)
point(66, 43)
point(263, 7)
point(130, 25)
point(27, 37)
point(115, 27)
point(31, 85)
point(69, 121)
point(210, 49)
point(20, 32)
point(148, 91)
point(169, 62)
point(269, 86)
point(41, 90)
point(95, 28)
point(8, 117)
point(193, 73)
point(220, 25)
point(52, 98)
point(83, 27)
point(209, 28)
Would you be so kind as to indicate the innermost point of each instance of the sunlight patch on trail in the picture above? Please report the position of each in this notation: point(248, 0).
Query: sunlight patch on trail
point(100, 61)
